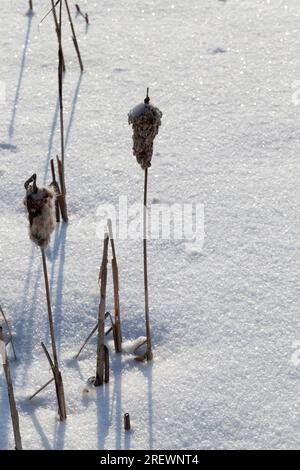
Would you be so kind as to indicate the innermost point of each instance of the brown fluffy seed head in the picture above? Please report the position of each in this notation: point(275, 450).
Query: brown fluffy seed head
point(40, 205)
point(145, 119)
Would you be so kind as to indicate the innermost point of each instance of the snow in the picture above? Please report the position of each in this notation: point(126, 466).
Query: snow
point(225, 318)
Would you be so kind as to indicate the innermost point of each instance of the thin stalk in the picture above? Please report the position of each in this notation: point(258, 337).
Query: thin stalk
point(12, 403)
point(149, 354)
point(60, 91)
point(87, 340)
point(101, 316)
point(59, 386)
point(61, 108)
point(115, 272)
point(74, 36)
point(61, 198)
point(50, 316)
point(56, 188)
point(94, 331)
point(41, 388)
point(57, 31)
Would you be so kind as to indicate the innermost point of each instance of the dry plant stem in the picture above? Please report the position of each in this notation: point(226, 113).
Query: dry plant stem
point(57, 31)
point(41, 388)
point(115, 272)
point(74, 36)
point(58, 386)
point(106, 364)
point(61, 165)
point(50, 316)
point(149, 354)
point(86, 16)
point(127, 422)
point(113, 326)
point(87, 340)
point(92, 334)
point(54, 363)
point(60, 92)
point(135, 351)
point(12, 403)
point(57, 191)
point(101, 316)
point(10, 333)
point(30, 5)
point(61, 198)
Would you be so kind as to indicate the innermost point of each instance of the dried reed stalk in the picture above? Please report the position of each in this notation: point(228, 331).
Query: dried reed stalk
point(86, 16)
point(61, 114)
point(149, 354)
point(145, 120)
point(54, 184)
point(41, 388)
point(10, 390)
point(58, 386)
point(11, 340)
point(115, 272)
point(74, 38)
point(54, 364)
point(57, 32)
point(49, 309)
point(91, 334)
point(41, 213)
point(61, 198)
point(101, 316)
point(127, 425)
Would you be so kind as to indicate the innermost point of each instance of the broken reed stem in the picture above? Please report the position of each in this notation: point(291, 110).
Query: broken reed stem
point(113, 326)
point(93, 332)
point(87, 340)
point(59, 387)
point(61, 198)
point(74, 36)
point(12, 403)
point(127, 422)
point(56, 188)
point(101, 316)
point(10, 332)
point(149, 354)
point(57, 32)
point(115, 272)
point(86, 16)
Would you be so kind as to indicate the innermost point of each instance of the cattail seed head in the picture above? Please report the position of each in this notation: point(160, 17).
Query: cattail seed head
point(40, 204)
point(145, 119)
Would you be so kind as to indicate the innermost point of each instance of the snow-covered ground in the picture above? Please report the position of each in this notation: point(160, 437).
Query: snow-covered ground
point(225, 319)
